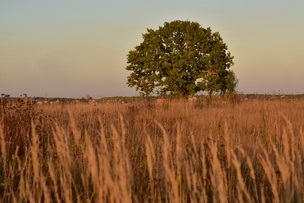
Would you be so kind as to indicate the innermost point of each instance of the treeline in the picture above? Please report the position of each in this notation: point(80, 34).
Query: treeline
point(127, 99)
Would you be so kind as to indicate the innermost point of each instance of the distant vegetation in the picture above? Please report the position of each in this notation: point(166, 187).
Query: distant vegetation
point(128, 99)
point(247, 148)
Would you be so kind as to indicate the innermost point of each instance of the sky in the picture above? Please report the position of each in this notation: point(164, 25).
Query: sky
point(74, 48)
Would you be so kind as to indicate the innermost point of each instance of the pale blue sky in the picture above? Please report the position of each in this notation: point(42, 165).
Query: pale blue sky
point(73, 48)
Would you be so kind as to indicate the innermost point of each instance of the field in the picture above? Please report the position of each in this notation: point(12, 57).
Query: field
point(220, 150)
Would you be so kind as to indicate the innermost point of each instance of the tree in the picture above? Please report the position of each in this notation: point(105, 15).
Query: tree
point(180, 59)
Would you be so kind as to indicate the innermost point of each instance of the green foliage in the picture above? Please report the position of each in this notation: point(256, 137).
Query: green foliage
point(180, 59)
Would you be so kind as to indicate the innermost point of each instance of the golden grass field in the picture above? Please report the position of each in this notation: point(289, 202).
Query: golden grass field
point(208, 151)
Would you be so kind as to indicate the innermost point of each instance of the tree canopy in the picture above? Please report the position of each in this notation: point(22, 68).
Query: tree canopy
point(181, 58)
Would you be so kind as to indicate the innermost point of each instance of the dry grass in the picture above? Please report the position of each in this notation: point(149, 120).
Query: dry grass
point(248, 151)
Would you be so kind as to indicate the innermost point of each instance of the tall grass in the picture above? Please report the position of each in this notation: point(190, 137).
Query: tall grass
point(249, 151)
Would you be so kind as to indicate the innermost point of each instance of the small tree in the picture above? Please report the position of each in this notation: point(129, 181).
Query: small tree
point(181, 58)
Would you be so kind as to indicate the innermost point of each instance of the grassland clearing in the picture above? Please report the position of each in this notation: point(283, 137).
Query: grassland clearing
point(218, 151)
